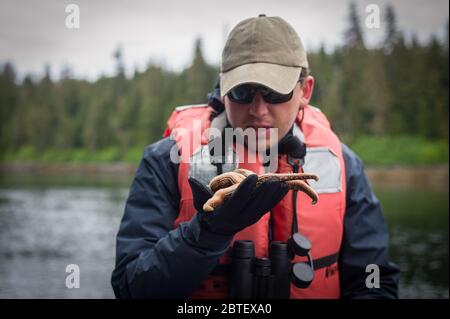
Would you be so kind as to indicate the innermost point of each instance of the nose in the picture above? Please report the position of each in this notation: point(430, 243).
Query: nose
point(258, 107)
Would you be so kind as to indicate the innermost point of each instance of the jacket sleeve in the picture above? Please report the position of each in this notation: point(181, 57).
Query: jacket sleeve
point(154, 259)
point(365, 240)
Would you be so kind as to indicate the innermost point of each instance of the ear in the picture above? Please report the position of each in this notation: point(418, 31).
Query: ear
point(307, 89)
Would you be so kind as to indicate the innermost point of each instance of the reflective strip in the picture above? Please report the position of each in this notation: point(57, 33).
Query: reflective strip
point(325, 163)
point(201, 167)
point(190, 106)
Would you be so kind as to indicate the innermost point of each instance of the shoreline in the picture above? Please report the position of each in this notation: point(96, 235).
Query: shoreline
point(128, 168)
point(119, 168)
point(435, 175)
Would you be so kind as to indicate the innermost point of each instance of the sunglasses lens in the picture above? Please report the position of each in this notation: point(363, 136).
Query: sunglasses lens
point(242, 94)
point(275, 97)
point(245, 93)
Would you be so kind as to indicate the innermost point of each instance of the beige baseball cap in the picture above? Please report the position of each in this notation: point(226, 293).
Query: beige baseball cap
point(263, 50)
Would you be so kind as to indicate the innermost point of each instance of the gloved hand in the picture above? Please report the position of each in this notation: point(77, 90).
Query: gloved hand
point(244, 208)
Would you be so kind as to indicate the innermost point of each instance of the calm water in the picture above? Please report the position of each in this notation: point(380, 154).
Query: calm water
point(47, 223)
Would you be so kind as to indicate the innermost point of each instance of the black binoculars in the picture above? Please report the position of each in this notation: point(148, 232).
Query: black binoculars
point(270, 278)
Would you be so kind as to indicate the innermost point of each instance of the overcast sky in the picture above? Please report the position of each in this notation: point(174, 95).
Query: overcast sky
point(33, 33)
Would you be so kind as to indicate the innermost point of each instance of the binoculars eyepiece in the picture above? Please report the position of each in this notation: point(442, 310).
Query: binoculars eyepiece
point(267, 278)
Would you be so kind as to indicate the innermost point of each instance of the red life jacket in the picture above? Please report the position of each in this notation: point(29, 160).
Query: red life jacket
point(321, 223)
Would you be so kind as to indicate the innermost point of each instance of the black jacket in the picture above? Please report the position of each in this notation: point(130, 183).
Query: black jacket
point(154, 260)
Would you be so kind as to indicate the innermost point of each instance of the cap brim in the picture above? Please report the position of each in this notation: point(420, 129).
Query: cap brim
point(279, 78)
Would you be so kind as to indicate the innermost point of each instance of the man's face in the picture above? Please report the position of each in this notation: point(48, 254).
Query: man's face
point(260, 114)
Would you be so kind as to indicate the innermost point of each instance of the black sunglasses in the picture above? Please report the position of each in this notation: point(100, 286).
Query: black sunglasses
point(245, 93)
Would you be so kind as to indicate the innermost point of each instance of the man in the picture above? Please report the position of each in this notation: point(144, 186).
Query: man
point(168, 247)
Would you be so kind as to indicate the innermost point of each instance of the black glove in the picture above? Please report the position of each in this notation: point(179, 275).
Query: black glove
point(244, 208)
